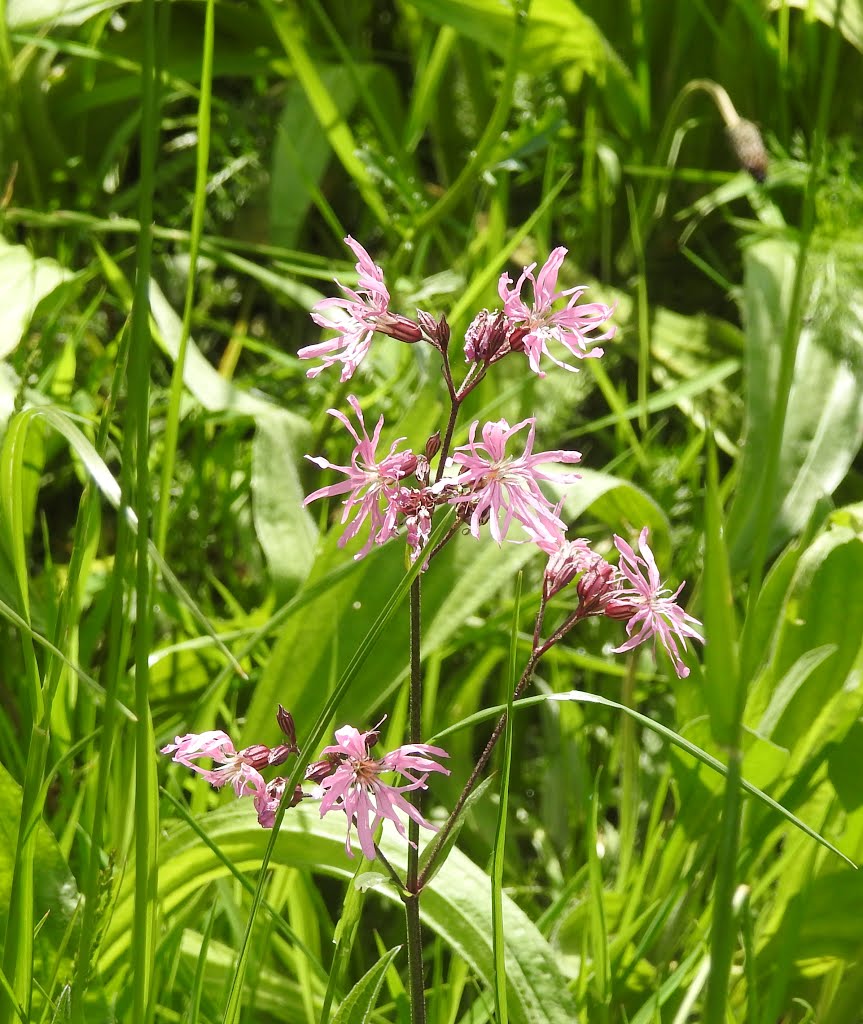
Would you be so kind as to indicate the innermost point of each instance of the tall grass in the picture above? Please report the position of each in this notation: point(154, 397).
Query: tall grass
point(175, 181)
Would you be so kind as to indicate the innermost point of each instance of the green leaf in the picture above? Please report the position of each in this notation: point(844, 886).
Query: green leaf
point(466, 575)
point(703, 757)
point(619, 504)
point(816, 659)
point(449, 842)
point(284, 528)
point(54, 885)
point(357, 1006)
point(558, 35)
point(723, 685)
point(43, 14)
point(850, 15)
point(456, 905)
point(302, 152)
point(24, 282)
point(824, 422)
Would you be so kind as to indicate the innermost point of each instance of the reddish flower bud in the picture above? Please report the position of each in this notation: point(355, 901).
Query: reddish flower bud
point(407, 466)
point(280, 754)
point(433, 445)
point(257, 755)
point(564, 563)
point(491, 336)
point(320, 770)
point(399, 327)
point(436, 331)
point(595, 587)
point(286, 724)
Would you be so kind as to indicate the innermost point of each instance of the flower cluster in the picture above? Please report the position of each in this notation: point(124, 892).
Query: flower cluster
point(522, 326)
point(242, 769)
point(495, 479)
point(488, 485)
point(347, 777)
point(631, 591)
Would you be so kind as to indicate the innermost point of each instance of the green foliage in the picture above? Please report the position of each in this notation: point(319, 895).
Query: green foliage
point(160, 575)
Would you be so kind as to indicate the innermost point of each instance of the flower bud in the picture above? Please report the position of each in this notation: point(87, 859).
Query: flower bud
point(280, 754)
point(436, 331)
point(286, 724)
point(433, 445)
point(491, 336)
point(595, 586)
point(256, 756)
point(622, 610)
point(564, 564)
point(748, 146)
point(320, 770)
point(398, 327)
point(407, 465)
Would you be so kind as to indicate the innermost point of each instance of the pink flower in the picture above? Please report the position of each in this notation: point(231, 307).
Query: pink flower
point(351, 783)
point(240, 769)
point(365, 311)
point(644, 603)
point(569, 326)
point(496, 482)
point(370, 483)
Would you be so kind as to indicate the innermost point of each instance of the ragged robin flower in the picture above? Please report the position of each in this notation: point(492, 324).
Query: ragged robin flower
point(364, 312)
point(542, 324)
point(350, 781)
point(495, 484)
point(369, 483)
point(649, 608)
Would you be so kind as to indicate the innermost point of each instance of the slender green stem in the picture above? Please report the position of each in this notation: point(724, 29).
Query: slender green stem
point(172, 420)
point(642, 308)
point(137, 487)
point(490, 138)
point(412, 909)
point(416, 982)
point(479, 768)
point(723, 928)
point(446, 442)
point(111, 718)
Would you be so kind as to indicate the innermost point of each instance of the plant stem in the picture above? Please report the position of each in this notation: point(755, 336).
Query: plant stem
point(447, 440)
point(478, 769)
point(415, 958)
point(412, 908)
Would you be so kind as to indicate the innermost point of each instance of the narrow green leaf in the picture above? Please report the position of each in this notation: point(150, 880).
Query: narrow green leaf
point(357, 1006)
point(699, 755)
point(456, 905)
point(723, 688)
point(498, 854)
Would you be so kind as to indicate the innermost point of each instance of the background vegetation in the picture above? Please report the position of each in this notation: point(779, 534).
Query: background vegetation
point(176, 179)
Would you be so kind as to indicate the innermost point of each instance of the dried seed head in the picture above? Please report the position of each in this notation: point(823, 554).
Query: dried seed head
point(748, 146)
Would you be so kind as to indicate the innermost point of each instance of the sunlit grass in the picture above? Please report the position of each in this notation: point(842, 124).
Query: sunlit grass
point(175, 182)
